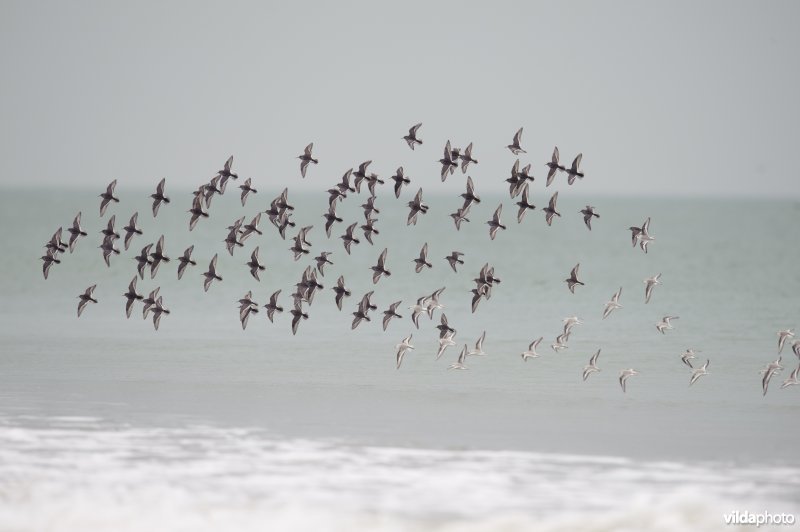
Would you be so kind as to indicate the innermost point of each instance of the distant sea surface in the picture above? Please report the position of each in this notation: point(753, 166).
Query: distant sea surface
point(106, 424)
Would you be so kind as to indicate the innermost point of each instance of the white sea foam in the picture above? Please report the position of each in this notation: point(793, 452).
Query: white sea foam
point(62, 475)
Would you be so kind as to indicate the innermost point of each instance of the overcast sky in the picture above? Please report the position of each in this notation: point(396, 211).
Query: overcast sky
point(690, 98)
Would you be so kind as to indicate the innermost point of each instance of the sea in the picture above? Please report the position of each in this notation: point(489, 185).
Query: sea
point(107, 424)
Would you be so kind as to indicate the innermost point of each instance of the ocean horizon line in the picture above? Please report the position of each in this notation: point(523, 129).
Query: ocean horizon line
point(435, 193)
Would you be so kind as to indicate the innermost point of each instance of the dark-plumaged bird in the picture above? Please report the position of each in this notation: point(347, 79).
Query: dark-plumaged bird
point(373, 180)
point(469, 196)
point(369, 229)
point(400, 180)
point(197, 211)
point(334, 195)
point(448, 164)
point(553, 166)
point(524, 205)
point(390, 313)
point(588, 213)
point(108, 197)
point(149, 301)
point(550, 210)
point(411, 138)
point(321, 260)
point(211, 275)
point(360, 174)
point(55, 244)
point(575, 170)
point(252, 227)
point(254, 265)
point(158, 310)
point(344, 185)
point(297, 314)
point(460, 216)
point(185, 260)
point(247, 307)
point(157, 257)
point(495, 223)
point(330, 219)
point(515, 147)
point(209, 189)
point(301, 244)
point(349, 238)
point(573, 280)
point(422, 260)
point(274, 212)
point(361, 313)
point(247, 190)
point(306, 158)
point(234, 237)
point(131, 229)
point(380, 269)
point(525, 175)
point(309, 285)
point(284, 222)
point(477, 295)
point(109, 231)
point(108, 248)
point(341, 291)
point(366, 301)
point(131, 296)
point(515, 182)
point(85, 299)
point(226, 174)
point(454, 259)
point(416, 206)
point(49, 259)
point(143, 260)
point(76, 231)
point(369, 207)
point(159, 197)
point(273, 307)
point(444, 327)
point(282, 201)
point(466, 158)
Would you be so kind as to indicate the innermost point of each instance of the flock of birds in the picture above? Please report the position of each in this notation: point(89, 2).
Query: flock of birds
point(280, 213)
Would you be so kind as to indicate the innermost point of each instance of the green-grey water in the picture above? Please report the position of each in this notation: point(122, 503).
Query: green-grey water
point(729, 270)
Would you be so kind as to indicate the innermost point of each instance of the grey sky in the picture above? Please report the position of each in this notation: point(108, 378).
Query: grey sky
point(678, 97)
